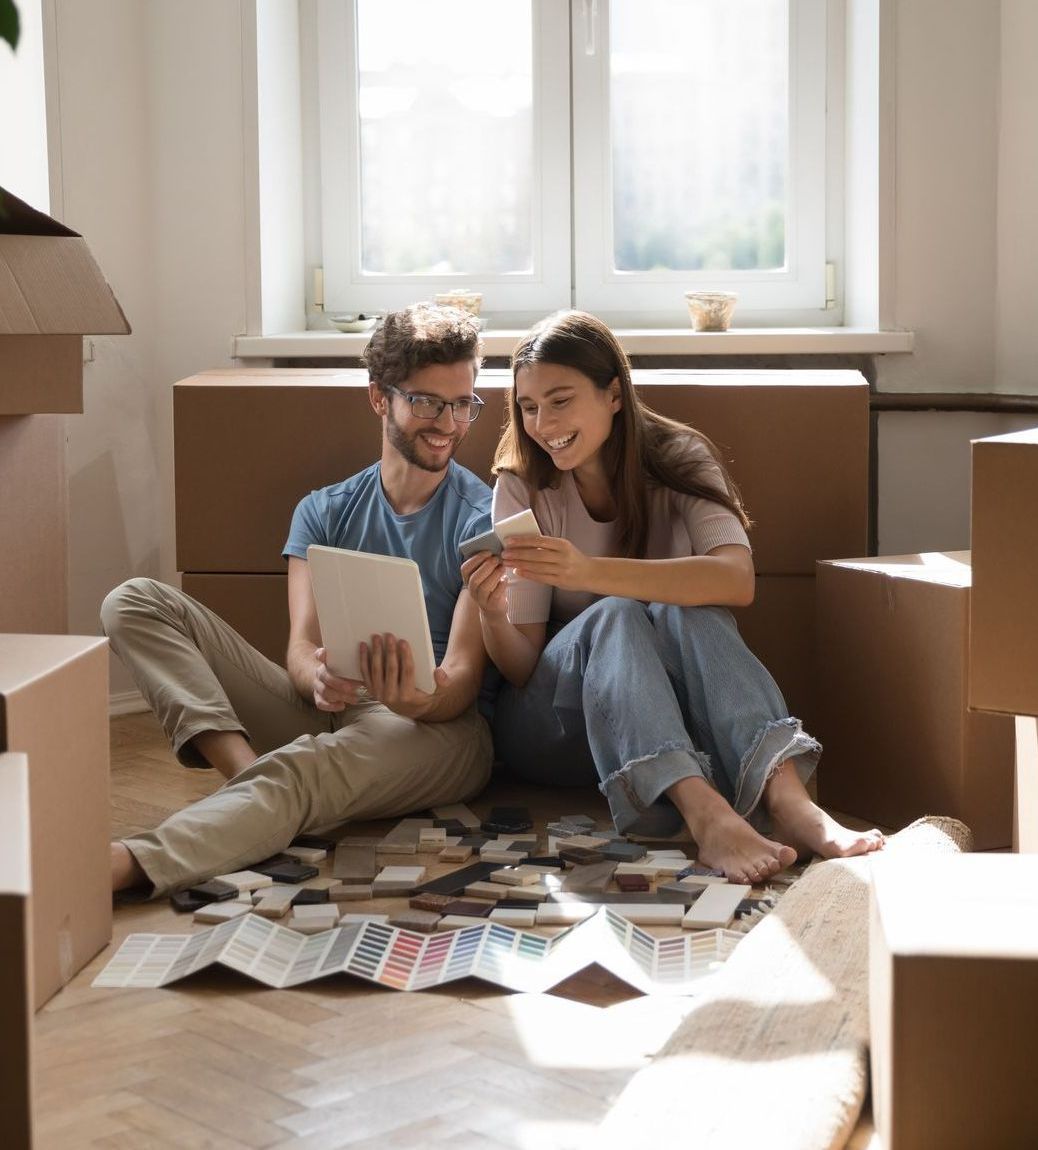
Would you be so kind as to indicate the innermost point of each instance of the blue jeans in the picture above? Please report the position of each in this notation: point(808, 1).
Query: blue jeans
point(640, 696)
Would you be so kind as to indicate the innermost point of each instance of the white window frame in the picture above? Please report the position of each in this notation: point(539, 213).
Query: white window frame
point(800, 285)
point(572, 239)
point(346, 286)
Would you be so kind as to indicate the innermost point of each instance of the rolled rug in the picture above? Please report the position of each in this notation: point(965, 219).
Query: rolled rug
point(776, 1052)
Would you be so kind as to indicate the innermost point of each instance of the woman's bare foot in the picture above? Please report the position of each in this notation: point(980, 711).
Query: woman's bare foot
point(126, 871)
point(726, 840)
point(804, 826)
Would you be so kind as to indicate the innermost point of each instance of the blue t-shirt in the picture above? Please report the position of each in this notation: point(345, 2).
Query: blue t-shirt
point(356, 515)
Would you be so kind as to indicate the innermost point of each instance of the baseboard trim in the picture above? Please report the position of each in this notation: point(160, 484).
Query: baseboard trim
point(126, 703)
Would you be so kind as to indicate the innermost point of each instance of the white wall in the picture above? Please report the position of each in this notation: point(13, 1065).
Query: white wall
point(150, 162)
point(148, 97)
point(923, 465)
point(1016, 330)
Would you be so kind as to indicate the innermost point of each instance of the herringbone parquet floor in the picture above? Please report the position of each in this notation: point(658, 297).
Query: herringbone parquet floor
point(221, 1063)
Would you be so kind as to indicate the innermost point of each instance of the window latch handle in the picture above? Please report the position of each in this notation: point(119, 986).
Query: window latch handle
point(590, 10)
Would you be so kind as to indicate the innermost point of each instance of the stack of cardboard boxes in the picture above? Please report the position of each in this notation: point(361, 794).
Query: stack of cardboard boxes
point(53, 687)
point(249, 445)
point(953, 939)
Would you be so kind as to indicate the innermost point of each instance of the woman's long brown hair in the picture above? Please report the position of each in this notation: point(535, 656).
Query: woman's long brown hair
point(644, 448)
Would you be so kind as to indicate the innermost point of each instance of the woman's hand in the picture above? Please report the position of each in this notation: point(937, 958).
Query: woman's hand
point(546, 559)
point(485, 577)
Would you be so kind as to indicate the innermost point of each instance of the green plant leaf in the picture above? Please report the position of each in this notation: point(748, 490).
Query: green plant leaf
point(10, 25)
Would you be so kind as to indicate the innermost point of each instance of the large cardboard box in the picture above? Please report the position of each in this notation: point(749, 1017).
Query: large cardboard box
point(953, 960)
point(15, 954)
point(779, 628)
point(52, 293)
point(54, 709)
point(1004, 542)
point(33, 524)
point(256, 606)
point(796, 444)
point(893, 650)
point(249, 445)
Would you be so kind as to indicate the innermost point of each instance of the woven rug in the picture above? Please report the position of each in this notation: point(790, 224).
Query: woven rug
point(776, 1053)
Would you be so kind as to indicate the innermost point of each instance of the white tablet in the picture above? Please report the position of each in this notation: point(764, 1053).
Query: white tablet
point(359, 595)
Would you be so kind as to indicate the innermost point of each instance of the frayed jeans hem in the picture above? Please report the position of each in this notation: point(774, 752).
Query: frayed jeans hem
point(636, 793)
point(778, 741)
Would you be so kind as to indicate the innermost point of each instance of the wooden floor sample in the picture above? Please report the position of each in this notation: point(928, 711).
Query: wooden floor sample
point(220, 1063)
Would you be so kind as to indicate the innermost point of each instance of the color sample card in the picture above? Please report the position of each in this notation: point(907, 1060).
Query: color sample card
point(405, 960)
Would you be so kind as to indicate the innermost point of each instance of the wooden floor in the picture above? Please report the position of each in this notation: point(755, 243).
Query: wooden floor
point(220, 1063)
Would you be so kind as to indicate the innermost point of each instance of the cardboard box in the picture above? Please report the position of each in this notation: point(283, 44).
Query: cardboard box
point(277, 435)
point(33, 524)
point(256, 606)
point(52, 293)
point(249, 445)
point(1025, 794)
point(15, 953)
point(779, 628)
point(892, 643)
point(796, 444)
point(953, 958)
point(1004, 541)
point(54, 709)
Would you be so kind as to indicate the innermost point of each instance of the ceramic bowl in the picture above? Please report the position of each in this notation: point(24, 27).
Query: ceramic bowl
point(353, 321)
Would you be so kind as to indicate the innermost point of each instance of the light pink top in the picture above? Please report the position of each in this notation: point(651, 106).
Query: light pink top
point(679, 526)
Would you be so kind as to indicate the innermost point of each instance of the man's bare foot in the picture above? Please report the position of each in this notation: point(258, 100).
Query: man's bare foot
point(803, 825)
point(126, 871)
point(726, 840)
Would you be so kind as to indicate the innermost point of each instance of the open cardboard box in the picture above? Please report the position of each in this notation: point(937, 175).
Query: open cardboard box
point(52, 293)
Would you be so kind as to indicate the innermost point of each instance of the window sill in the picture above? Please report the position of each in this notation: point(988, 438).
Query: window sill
point(657, 341)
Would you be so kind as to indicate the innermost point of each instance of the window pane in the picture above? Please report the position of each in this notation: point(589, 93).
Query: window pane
point(699, 99)
point(445, 98)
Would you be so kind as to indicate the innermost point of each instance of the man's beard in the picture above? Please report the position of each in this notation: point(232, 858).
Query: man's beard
point(407, 445)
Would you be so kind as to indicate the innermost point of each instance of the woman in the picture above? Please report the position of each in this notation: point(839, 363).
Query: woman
point(621, 660)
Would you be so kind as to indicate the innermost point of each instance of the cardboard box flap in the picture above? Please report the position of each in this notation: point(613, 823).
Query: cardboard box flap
point(17, 218)
point(950, 568)
point(50, 284)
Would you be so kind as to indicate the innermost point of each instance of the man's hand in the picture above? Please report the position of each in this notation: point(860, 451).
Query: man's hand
point(387, 666)
point(484, 576)
point(330, 692)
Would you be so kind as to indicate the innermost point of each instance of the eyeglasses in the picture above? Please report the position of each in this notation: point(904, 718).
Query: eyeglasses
point(430, 407)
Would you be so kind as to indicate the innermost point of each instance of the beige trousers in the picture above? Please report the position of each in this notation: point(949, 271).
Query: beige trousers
point(315, 770)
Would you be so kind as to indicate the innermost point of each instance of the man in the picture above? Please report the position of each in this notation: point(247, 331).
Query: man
point(362, 749)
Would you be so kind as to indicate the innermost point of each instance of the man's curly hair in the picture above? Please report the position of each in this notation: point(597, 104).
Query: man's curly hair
point(423, 334)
